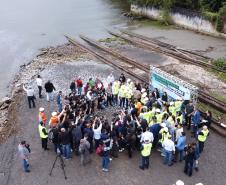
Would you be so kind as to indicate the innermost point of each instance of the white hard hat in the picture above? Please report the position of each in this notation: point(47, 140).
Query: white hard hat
point(54, 113)
point(171, 103)
point(41, 109)
point(179, 182)
point(165, 129)
point(128, 80)
point(157, 110)
point(143, 90)
point(163, 125)
point(205, 127)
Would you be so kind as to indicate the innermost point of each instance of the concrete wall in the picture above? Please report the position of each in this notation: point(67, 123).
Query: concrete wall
point(195, 22)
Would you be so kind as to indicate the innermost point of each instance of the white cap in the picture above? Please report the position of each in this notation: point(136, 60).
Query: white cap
point(54, 113)
point(179, 182)
point(128, 80)
point(163, 125)
point(143, 90)
point(41, 109)
point(165, 129)
point(171, 103)
point(157, 110)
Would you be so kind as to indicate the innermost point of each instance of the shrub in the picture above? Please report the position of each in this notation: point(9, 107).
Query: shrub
point(220, 63)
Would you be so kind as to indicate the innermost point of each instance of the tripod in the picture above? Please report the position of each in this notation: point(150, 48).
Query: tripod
point(61, 164)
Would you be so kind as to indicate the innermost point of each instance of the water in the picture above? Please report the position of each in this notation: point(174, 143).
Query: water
point(28, 25)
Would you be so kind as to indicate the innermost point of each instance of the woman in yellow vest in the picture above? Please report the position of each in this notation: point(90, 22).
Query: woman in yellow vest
point(43, 135)
point(202, 137)
point(145, 154)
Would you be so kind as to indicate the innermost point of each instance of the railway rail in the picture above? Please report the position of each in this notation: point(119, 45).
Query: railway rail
point(168, 46)
point(203, 97)
point(102, 57)
point(141, 41)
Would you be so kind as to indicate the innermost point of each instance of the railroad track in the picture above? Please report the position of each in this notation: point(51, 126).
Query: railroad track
point(102, 57)
point(166, 45)
point(152, 46)
point(203, 97)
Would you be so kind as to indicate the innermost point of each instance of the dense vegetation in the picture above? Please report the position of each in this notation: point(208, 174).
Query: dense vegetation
point(213, 10)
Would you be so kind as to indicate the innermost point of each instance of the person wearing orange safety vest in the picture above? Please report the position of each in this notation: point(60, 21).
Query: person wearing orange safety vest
point(53, 120)
point(42, 115)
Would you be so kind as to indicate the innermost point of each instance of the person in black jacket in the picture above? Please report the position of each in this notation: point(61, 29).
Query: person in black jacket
point(190, 158)
point(49, 90)
point(64, 139)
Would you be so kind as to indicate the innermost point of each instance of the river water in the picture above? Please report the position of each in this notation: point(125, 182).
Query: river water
point(27, 25)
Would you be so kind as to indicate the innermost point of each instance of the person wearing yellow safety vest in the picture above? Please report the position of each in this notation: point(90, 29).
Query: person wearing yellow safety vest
point(202, 137)
point(172, 109)
point(158, 116)
point(129, 93)
point(145, 154)
point(115, 91)
point(163, 134)
point(144, 114)
point(43, 135)
point(122, 95)
point(151, 114)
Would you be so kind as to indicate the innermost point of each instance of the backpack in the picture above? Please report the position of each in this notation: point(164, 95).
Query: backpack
point(100, 150)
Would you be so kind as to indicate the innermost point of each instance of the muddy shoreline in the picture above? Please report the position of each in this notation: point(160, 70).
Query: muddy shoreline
point(47, 58)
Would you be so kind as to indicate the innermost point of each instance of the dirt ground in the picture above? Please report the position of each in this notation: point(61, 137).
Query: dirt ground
point(123, 171)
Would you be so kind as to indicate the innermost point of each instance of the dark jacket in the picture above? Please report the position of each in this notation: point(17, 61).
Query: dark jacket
point(64, 138)
point(49, 87)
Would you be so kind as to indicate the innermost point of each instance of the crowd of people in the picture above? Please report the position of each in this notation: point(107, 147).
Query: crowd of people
point(143, 120)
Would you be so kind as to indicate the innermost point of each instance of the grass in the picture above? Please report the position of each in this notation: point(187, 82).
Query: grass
point(149, 22)
point(221, 76)
point(218, 96)
point(215, 113)
point(109, 39)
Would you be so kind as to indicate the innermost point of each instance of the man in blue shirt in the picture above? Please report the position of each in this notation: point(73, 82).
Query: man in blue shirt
point(180, 146)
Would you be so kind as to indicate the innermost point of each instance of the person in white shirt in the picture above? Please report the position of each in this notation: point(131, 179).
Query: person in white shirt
point(147, 135)
point(179, 131)
point(39, 84)
point(169, 149)
point(97, 131)
point(110, 78)
point(30, 95)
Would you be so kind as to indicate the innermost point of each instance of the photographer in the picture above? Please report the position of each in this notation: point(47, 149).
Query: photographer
point(24, 151)
point(64, 140)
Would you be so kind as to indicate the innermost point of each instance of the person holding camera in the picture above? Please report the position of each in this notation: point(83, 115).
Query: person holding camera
point(24, 152)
